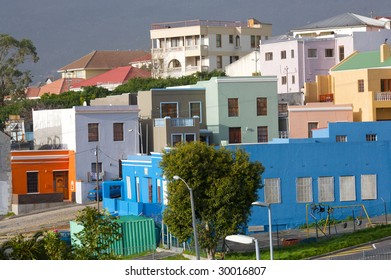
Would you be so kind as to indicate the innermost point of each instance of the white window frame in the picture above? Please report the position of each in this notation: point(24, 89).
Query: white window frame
point(326, 189)
point(195, 102)
point(193, 134)
point(272, 190)
point(368, 186)
point(304, 192)
point(347, 188)
point(172, 138)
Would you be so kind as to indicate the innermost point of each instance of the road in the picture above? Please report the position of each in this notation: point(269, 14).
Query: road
point(57, 218)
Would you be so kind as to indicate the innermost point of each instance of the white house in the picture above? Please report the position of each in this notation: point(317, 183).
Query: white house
point(185, 47)
point(5, 173)
point(98, 134)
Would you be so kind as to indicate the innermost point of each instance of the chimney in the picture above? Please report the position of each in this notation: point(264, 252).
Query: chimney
point(385, 52)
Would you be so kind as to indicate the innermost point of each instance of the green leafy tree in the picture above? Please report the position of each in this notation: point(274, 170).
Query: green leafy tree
point(99, 231)
point(224, 184)
point(14, 53)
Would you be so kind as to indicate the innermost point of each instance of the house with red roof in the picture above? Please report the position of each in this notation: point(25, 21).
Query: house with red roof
point(112, 78)
point(98, 62)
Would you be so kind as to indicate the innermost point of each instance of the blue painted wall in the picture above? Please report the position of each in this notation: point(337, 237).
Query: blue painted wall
point(287, 160)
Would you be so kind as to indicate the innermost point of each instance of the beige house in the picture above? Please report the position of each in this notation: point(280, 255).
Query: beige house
point(185, 47)
point(363, 79)
point(303, 119)
point(98, 62)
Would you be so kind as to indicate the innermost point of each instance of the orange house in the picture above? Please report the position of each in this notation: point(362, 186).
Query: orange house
point(43, 176)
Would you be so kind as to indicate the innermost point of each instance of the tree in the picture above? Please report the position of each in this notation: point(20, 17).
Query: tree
point(14, 53)
point(99, 231)
point(224, 184)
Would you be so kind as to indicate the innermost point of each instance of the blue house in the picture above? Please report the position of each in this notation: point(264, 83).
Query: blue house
point(346, 168)
point(142, 188)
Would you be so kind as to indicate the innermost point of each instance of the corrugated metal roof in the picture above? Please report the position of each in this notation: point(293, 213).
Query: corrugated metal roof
point(343, 20)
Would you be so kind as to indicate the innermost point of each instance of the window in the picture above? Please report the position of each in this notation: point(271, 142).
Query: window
point(189, 41)
point(159, 191)
point(233, 58)
point(94, 174)
point(195, 109)
point(128, 187)
point(235, 135)
point(283, 54)
point(255, 39)
point(190, 137)
point(262, 134)
point(169, 110)
point(329, 52)
point(231, 39)
point(175, 42)
point(268, 56)
point(233, 107)
point(341, 138)
point(304, 189)
point(371, 137)
point(219, 62)
point(311, 126)
point(272, 190)
point(138, 193)
point(292, 53)
point(261, 106)
point(218, 40)
point(93, 132)
point(283, 80)
point(175, 139)
point(118, 131)
point(293, 79)
point(237, 41)
point(282, 108)
point(347, 188)
point(150, 195)
point(312, 53)
point(360, 84)
point(385, 85)
point(32, 182)
point(368, 187)
point(325, 189)
point(341, 52)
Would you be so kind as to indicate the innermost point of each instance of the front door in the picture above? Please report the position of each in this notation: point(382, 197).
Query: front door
point(61, 183)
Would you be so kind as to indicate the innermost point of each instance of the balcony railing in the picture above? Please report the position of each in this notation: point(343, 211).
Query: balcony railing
point(383, 96)
point(198, 23)
point(176, 122)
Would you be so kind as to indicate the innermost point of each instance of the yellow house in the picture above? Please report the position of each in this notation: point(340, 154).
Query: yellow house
point(364, 80)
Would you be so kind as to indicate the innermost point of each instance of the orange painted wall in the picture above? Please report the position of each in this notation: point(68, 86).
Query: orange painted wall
point(45, 162)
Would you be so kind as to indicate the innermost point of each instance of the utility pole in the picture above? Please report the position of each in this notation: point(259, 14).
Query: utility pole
point(97, 177)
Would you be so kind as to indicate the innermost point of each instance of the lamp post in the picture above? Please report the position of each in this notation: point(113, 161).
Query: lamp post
point(264, 204)
point(192, 214)
point(244, 239)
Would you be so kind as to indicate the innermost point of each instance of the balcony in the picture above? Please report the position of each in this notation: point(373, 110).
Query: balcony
point(383, 96)
point(177, 122)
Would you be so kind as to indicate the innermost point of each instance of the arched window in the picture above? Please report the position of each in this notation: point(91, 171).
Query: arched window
point(237, 41)
point(174, 64)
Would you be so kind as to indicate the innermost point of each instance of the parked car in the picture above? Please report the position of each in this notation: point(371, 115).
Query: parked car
point(115, 191)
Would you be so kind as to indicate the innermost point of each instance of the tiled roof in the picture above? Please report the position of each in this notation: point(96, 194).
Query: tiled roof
point(104, 60)
point(32, 92)
point(343, 20)
point(58, 86)
point(364, 60)
point(116, 76)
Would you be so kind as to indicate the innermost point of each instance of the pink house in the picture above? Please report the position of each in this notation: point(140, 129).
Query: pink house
point(303, 119)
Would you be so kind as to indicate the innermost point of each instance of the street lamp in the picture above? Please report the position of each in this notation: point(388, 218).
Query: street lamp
point(244, 239)
point(264, 204)
point(192, 214)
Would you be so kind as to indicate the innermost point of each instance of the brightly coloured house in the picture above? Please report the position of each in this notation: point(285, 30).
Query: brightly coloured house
point(42, 179)
point(346, 166)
